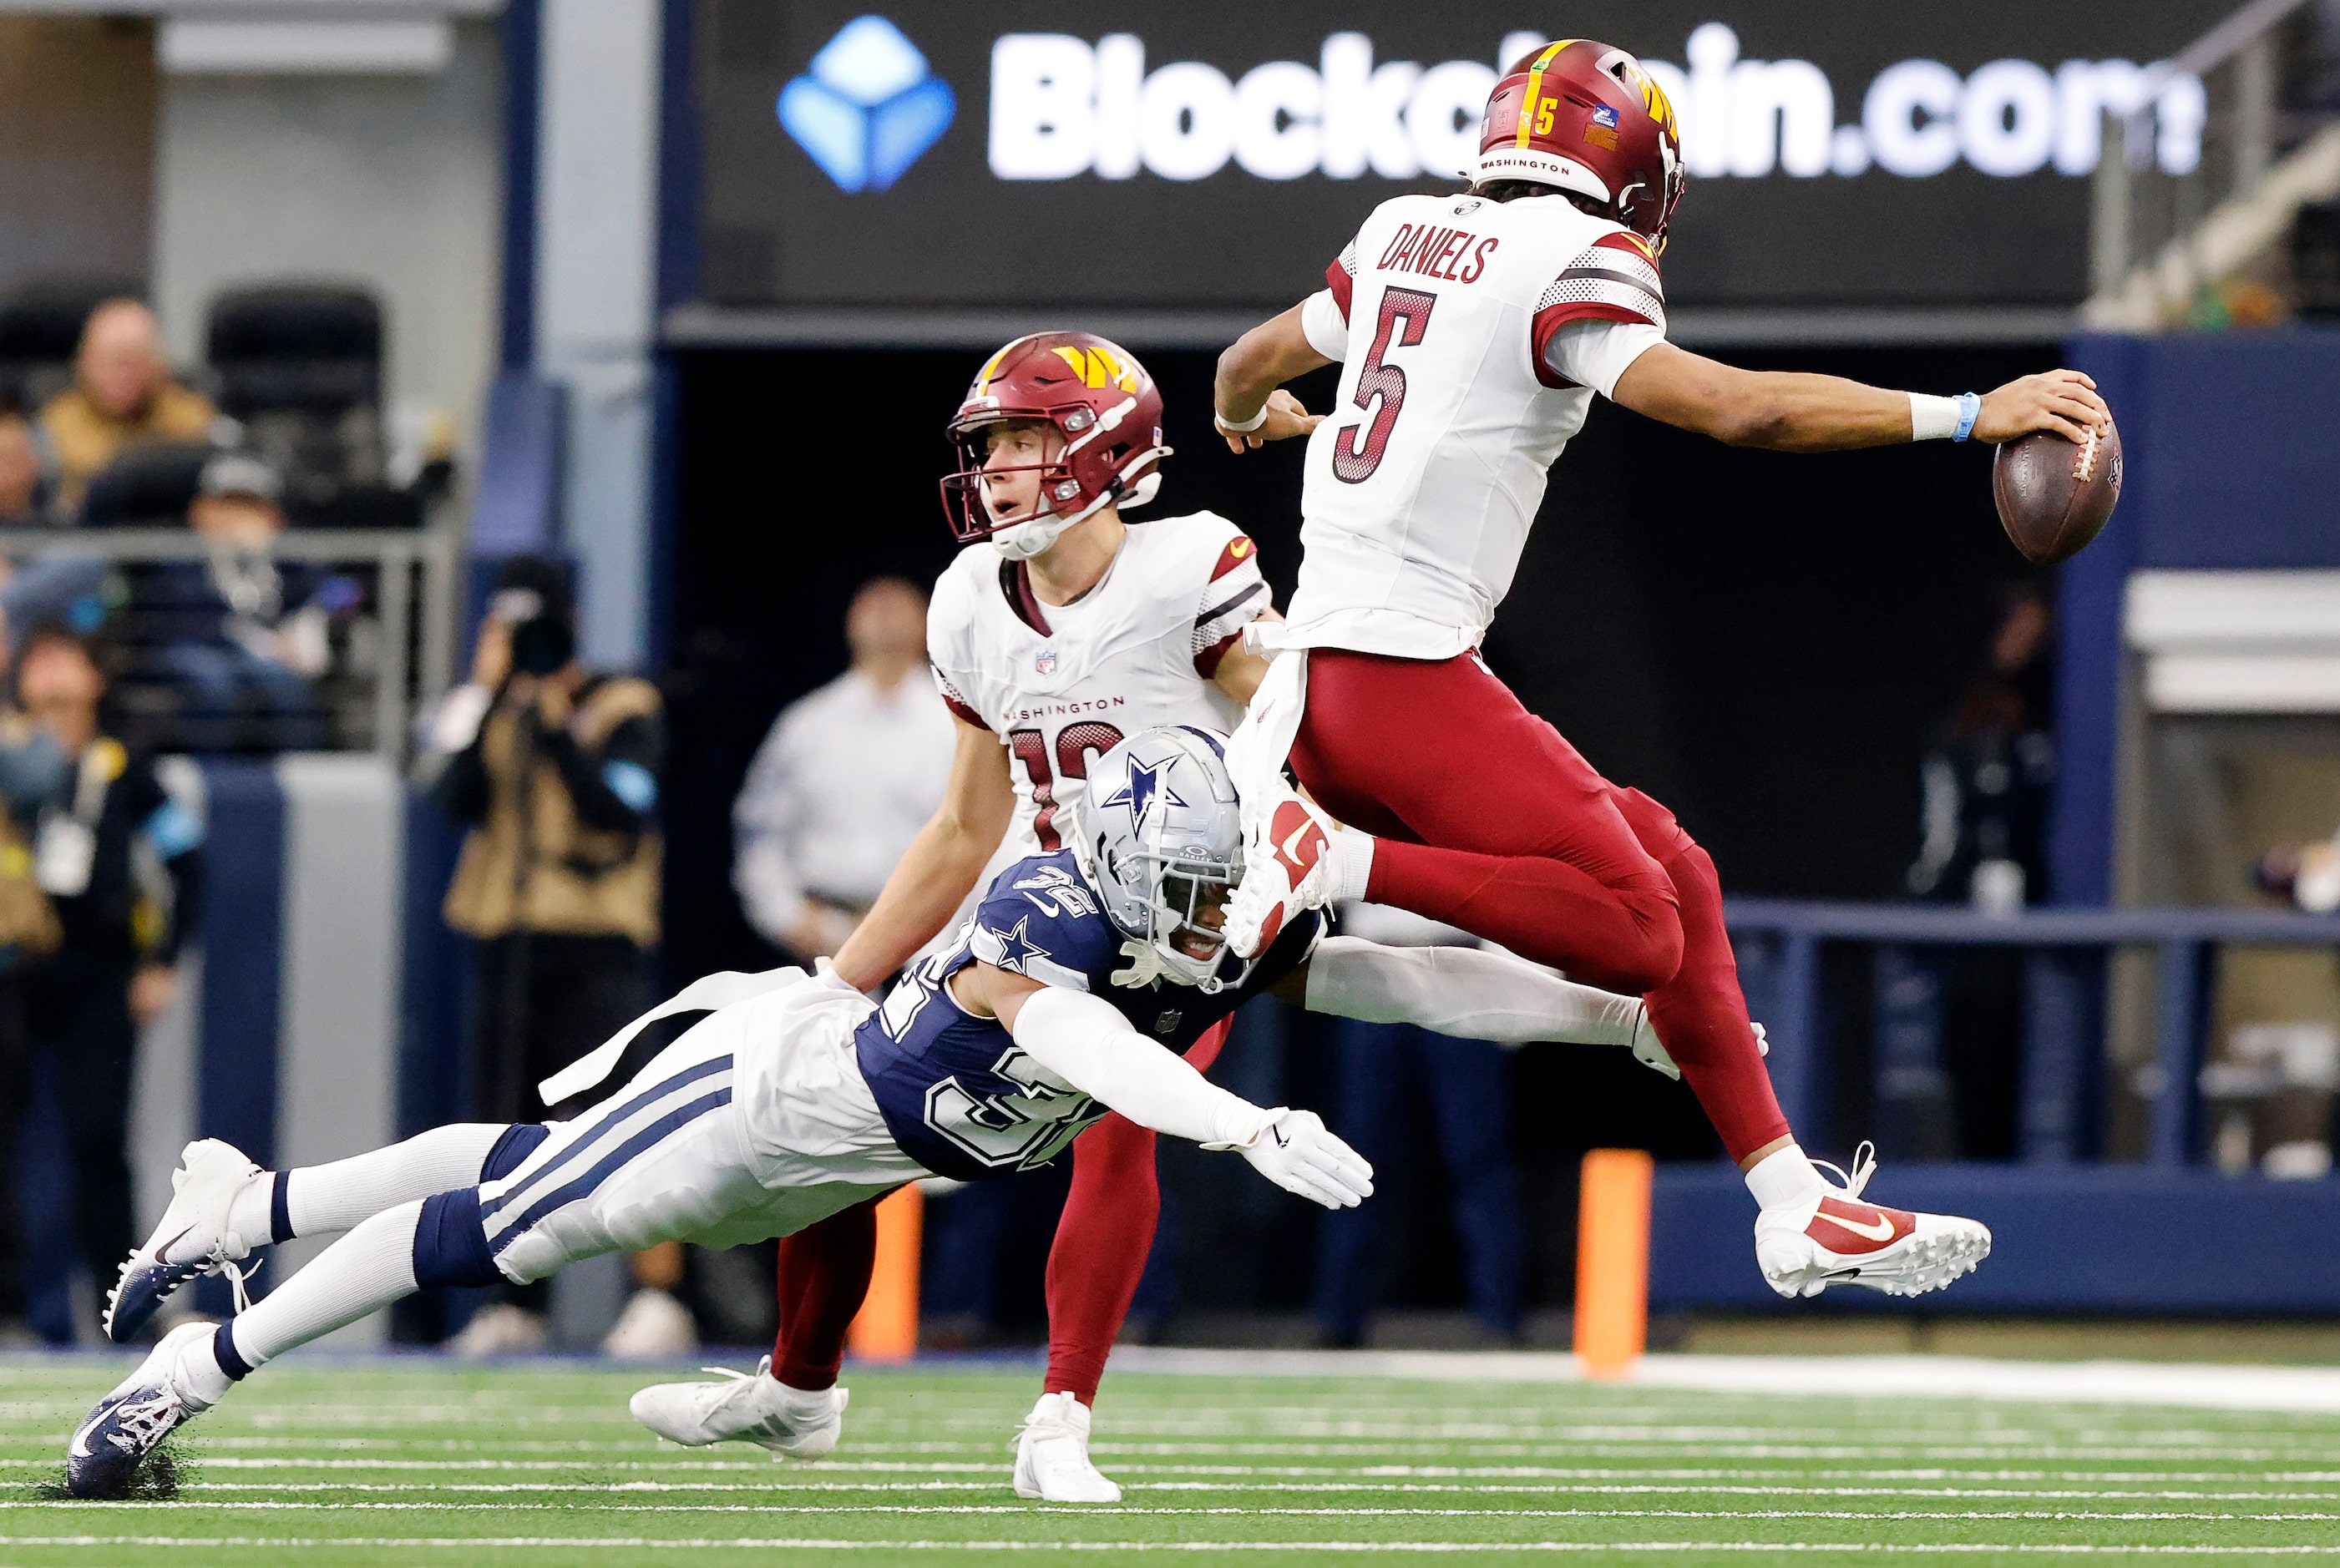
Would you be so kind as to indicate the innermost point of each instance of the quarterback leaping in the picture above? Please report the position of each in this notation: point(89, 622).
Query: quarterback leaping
point(1473, 332)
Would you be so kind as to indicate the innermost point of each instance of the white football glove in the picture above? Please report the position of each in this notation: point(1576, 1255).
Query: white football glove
point(1650, 1051)
point(1298, 1153)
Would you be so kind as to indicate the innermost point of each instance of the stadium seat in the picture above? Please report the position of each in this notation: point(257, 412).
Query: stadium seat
point(147, 487)
point(40, 327)
point(299, 365)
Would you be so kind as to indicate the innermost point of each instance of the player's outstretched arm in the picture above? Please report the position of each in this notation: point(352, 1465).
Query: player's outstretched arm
point(1251, 372)
point(1786, 411)
point(1084, 1041)
point(939, 869)
point(1467, 992)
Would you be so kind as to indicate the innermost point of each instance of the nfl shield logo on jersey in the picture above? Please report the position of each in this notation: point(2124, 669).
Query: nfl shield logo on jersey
point(1044, 661)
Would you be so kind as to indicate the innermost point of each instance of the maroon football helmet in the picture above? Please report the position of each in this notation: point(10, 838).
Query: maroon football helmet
point(1107, 416)
point(1585, 117)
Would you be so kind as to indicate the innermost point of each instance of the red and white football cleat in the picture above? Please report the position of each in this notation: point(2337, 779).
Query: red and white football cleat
point(1287, 868)
point(1838, 1239)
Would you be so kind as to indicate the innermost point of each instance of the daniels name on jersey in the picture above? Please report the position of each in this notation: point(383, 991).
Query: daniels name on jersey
point(1060, 683)
point(1473, 334)
point(956, 1092)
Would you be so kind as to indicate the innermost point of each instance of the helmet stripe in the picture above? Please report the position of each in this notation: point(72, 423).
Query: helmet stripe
point(1535, 85)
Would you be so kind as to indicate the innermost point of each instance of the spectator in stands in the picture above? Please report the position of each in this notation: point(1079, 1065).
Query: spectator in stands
point(1385, 1072)
point(123, 396)
point(240, 634)
point(31, 766)
point(24, 477)
point(121, 859)
point(554, 769)
point(1989, 770)
point(843, 781)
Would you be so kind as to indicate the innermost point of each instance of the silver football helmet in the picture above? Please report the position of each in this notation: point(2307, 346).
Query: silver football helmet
point(1161, 837)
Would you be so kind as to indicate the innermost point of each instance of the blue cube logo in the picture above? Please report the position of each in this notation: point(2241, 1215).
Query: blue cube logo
point(867, 110)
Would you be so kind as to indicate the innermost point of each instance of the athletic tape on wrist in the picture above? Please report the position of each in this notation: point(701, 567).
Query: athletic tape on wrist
point(1242, 426)
point(1933, 419)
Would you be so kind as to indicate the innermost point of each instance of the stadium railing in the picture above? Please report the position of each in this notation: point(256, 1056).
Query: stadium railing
point(410, 578)
point(1778, 943)
point(2165, 1234)
point(2161, 242)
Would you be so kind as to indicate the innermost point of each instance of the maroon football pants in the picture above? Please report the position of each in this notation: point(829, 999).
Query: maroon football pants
point(1099, 1253)
point(1488, 820)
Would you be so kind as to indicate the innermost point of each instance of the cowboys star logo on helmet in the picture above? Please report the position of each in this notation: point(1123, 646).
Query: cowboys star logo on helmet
point(1140, 791)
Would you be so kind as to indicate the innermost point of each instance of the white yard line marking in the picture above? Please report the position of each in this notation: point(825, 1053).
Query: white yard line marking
point(2198, 1385)
point(646, 1542)
point(2011, 1493)
point(1026, 1509)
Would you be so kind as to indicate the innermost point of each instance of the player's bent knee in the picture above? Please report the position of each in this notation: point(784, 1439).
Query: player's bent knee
point(450, 1242)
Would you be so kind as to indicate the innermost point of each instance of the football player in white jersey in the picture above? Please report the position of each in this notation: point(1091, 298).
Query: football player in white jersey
point(1473, 332)
point(1058, 631)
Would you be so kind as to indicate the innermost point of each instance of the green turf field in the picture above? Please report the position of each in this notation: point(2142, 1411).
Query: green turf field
point(318, 1462)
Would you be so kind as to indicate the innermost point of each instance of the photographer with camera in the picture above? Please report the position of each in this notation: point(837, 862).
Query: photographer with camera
point(554, 769)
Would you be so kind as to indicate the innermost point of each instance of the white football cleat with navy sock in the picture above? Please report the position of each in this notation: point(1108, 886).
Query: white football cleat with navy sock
point(744, 1407)
point(197, 1237)
point(1811, 1235)
point(146, 1408)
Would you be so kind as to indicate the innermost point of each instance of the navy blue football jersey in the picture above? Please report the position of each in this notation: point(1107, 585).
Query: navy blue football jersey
point(958, 1094)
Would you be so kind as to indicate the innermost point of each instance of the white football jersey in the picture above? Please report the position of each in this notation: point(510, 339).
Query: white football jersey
point(1059, 684)
point(1474, 335)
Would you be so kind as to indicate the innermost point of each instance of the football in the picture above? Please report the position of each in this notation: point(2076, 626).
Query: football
point(2054, 494)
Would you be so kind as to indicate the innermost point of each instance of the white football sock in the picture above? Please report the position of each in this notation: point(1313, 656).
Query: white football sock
point(196, 1376)
point(327, 1200)
point(1352, 855)
point(369, 1269)
point(1785, 1178)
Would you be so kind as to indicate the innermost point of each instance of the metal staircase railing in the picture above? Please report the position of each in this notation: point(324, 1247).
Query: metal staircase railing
point(2159, 240)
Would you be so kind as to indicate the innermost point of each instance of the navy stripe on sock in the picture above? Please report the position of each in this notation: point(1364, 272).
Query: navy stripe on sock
point(584, 1185)
point(224, 1351)
point(606, 1125)
point(450, 1248)
point(518, 1142)
point(280, 1208)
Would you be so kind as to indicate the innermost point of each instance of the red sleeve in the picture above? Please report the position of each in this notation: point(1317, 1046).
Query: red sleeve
point(1615, 279)
point(1341, 277)
point(955, 702)
point(1206, 661)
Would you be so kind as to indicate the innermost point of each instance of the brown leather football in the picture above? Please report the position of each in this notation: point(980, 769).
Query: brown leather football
point(2054, 495)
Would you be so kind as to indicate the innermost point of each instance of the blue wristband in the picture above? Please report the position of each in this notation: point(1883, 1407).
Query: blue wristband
point(1969, 410)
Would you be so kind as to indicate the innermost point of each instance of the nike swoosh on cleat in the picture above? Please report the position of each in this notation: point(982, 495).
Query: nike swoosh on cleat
point(79, 1447)
point(1881, 1231)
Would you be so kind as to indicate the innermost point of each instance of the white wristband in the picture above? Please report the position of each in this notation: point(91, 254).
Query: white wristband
point(1243, 427)
point(1933, 419)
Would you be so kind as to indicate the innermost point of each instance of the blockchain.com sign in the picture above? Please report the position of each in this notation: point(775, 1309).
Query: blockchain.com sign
point(1214, 155)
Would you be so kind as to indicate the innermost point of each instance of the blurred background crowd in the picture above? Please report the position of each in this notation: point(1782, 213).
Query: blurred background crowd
point(467, 503)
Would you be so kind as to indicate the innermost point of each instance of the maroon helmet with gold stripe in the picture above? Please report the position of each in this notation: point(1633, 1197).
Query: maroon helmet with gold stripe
point(1583, 117)
point(1105, 407)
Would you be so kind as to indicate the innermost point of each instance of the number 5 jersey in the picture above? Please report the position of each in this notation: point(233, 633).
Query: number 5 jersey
point(1473, 335)
point(1058, 684)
